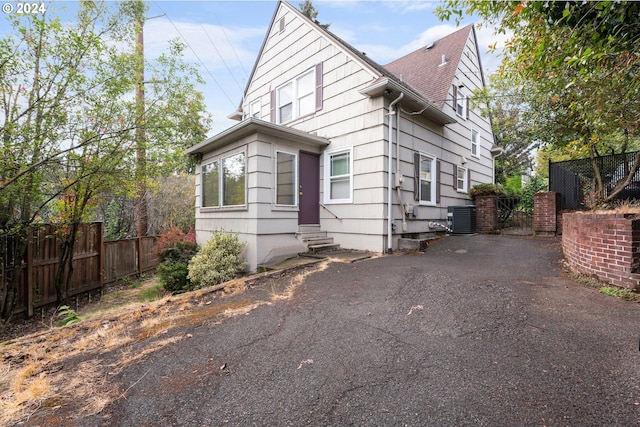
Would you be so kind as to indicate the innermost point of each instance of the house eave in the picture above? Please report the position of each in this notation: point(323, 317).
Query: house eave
point(251, 126)
point(411, 100)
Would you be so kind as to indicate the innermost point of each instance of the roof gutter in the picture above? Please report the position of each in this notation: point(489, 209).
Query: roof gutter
point(428, 109)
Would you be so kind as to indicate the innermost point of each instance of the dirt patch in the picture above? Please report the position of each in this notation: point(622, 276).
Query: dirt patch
point(52, 376)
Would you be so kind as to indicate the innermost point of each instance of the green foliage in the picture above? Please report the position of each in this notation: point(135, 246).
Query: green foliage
point(485, 190)
point(513, 185)
point(173, 276)
point(218, 261)
point(68, 315)
point(622, 293)
point(69, 125)
point(573, 66)
point(151, 294)
point(534, 185)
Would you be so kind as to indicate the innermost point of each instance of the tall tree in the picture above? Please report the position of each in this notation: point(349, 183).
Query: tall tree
point(309, 10)
point(69, 120)
point(577, 63)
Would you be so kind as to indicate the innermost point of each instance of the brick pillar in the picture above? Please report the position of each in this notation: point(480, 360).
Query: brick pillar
point(545, 211)
point(487, 214)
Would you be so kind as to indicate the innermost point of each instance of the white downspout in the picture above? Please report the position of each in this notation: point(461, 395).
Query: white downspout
point(398, 177)
point(390, 176)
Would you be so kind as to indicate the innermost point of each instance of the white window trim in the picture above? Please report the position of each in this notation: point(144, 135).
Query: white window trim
point(461, 101)
point(327, 175)
point(477, 143)
point(219, 160)
point(295, 113)
point(253, 112)
point(465, 179)
point(434, 181)
point(295, 180)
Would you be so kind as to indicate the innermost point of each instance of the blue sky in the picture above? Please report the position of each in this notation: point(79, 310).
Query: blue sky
point(224, 37)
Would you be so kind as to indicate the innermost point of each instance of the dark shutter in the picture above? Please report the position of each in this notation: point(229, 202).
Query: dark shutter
point(273, 106)
point(319, 87)
point(437, 181)
point(455, 177)
point(468, 178)
point(416, 176)
point(455, 98)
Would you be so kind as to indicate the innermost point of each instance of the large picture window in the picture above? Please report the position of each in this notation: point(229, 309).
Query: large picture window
point(338, 176)
point(224, 182)
point(285, 179)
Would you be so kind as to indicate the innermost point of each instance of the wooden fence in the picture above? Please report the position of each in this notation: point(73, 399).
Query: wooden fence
point(96, 263)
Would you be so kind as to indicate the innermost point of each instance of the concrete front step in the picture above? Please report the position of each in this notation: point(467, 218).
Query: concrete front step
point(323, 247)
point(418, 244)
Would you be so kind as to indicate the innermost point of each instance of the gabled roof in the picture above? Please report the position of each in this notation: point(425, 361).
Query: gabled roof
point(424, 69)
point(419, 74)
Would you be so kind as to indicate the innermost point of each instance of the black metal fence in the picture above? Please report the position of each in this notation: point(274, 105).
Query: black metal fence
point(513, 214)
point(574, 180)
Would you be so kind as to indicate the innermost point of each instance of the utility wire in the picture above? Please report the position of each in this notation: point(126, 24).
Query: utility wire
point(197, 56)
point(222, 58)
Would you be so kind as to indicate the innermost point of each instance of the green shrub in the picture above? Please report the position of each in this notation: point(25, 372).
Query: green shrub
point(218, 261)
point(175, 249)
point(485, 190)
point(534, 185)
point(173, 276)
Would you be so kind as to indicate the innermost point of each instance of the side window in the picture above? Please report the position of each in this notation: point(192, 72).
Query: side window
point(338, 176)
point(224, 182)
point(461, 179)
point(210, 185)
point(286, 178)
point(426, 179)
point(254, 109)
point(475, 143)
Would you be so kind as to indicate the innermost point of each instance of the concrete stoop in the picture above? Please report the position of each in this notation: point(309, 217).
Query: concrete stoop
point(316, 239)
point(417, 242)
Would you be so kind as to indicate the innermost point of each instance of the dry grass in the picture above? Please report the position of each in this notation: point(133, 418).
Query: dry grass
point(73, 366)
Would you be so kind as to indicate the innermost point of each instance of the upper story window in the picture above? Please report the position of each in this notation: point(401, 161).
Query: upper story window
point(254, 109)
point(460, 102)
point(224, 182)
point(475, 143)
point(298, 97)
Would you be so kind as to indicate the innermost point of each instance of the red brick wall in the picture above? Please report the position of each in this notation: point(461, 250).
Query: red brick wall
point(605, 245)
point(486, 214)
point(545, 209)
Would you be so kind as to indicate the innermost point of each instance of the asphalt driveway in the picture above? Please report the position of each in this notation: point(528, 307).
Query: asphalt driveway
point(478, 330)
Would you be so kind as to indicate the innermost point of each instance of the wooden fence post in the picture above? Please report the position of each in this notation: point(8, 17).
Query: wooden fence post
point(30, 273)
point(139, 254)
point(100, 245)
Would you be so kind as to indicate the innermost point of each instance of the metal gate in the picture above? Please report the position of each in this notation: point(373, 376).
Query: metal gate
point(513, 216)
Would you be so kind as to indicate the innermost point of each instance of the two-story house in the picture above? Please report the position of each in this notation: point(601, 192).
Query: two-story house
point(331, 144)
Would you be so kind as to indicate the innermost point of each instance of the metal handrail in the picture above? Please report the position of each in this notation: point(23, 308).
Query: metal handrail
point(329, 210)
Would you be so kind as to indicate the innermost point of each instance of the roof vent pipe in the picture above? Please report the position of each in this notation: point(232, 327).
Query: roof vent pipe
point(444, 59)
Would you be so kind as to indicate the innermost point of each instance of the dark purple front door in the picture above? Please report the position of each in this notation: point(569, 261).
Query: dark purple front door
point(309, 188)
